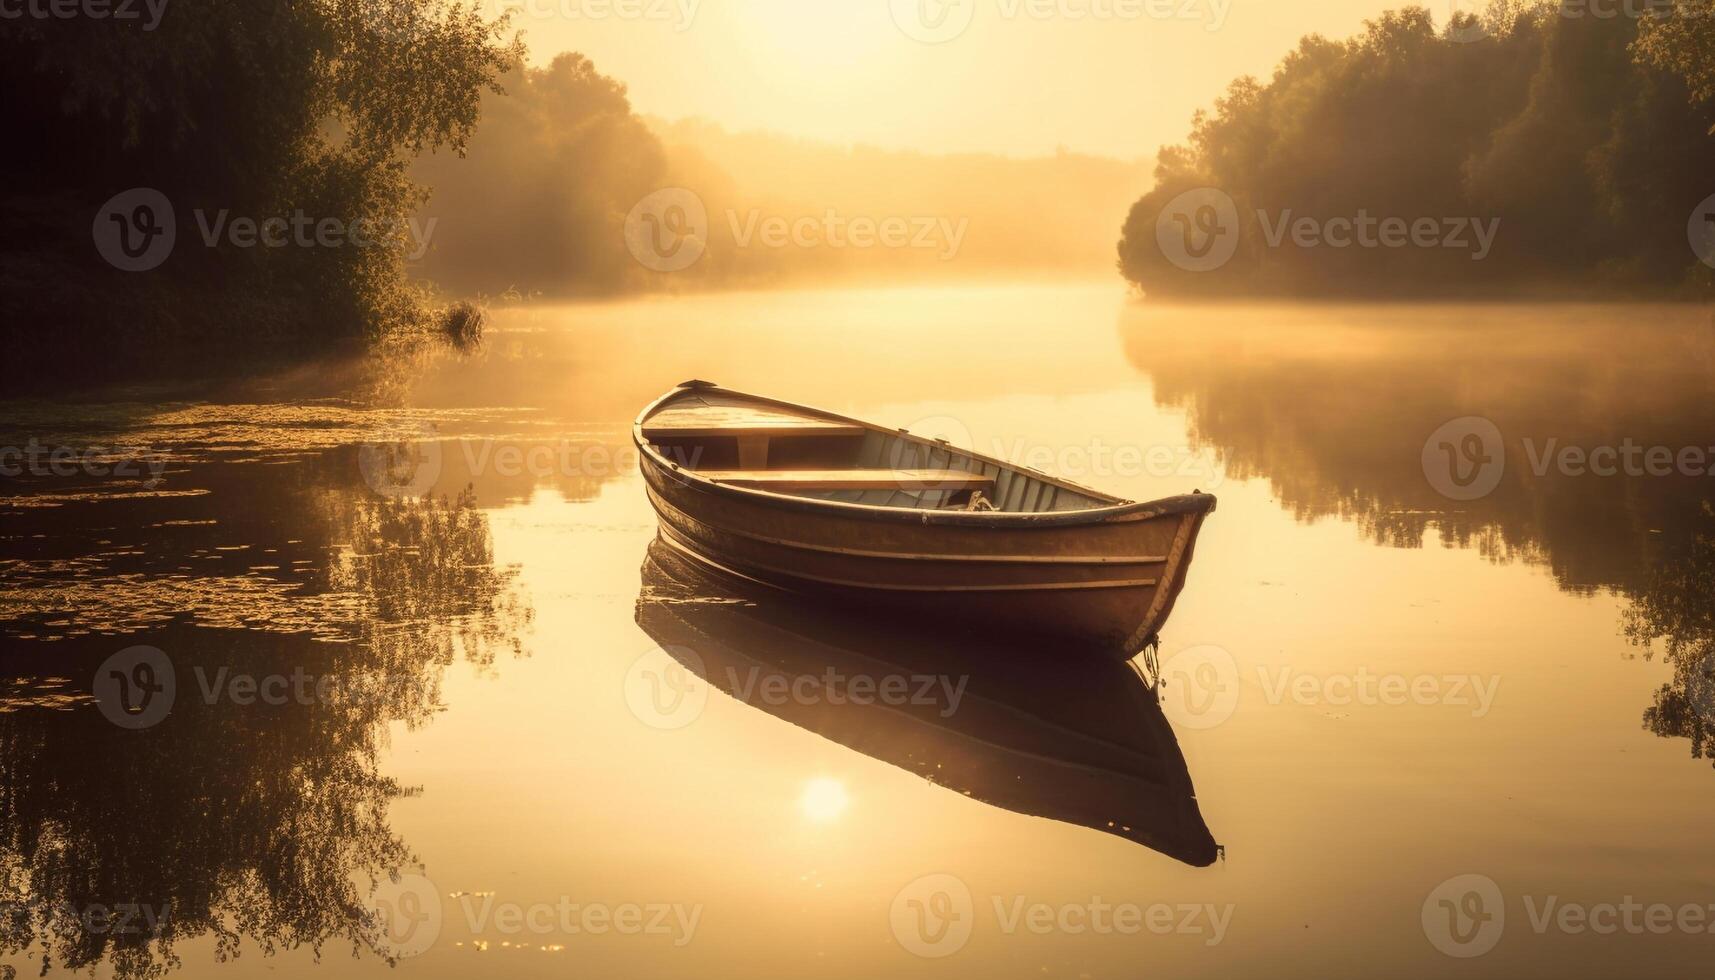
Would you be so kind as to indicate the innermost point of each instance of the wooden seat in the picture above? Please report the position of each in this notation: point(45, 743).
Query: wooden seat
point(852, 479)
point(752, 426)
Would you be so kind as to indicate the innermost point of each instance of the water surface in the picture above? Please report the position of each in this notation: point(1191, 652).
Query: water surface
point(485, 727)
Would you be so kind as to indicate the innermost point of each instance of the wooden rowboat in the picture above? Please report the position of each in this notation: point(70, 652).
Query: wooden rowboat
point(831, 506)
point(1084, 744)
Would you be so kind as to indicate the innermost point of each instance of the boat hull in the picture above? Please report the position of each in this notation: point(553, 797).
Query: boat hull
point(1104, 579)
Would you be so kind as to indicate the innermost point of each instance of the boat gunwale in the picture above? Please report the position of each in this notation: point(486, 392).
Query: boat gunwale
point(1118, 509)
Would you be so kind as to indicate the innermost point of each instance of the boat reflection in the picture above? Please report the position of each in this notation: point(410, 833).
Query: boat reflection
point(1084, 742)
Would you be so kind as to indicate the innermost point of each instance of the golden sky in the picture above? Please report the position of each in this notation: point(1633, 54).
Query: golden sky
point(1115, 77)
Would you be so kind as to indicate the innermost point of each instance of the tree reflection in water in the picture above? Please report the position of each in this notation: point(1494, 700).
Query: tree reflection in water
point(232, 820)
point(1333, 405)
point(1678, 609)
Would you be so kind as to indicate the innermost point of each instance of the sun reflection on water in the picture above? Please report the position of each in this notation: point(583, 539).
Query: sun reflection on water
point(824, 799)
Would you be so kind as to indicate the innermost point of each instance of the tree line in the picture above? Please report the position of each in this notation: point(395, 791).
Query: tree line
point(1374, 166)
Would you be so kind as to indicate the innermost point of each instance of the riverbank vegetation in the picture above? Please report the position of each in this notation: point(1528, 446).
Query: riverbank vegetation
point(1581, 142)
point(219, 179)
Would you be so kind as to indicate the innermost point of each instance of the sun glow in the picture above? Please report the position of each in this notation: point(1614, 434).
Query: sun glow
point(824, 799)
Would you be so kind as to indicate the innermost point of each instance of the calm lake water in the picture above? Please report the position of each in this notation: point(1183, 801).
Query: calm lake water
point(1405, 680)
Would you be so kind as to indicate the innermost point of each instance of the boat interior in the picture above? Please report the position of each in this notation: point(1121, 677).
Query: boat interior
point(728, 438)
